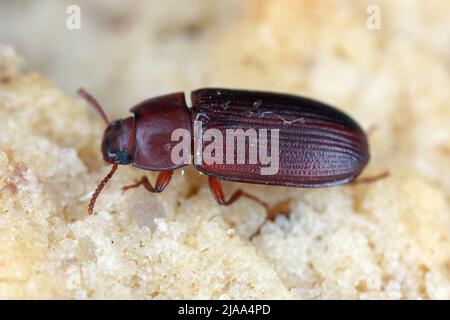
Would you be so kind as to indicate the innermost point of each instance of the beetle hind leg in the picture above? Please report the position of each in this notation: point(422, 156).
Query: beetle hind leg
point(371, 179)
point(217, 191)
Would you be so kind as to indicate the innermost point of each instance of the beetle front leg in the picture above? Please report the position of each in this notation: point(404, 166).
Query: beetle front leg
point(217, 191)
point(161, 182)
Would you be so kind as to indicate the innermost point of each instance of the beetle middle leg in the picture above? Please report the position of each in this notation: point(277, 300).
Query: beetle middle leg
point(161, 182)
point(217, 191)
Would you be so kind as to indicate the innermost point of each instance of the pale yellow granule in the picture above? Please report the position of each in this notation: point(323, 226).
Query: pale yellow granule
point(391, 241)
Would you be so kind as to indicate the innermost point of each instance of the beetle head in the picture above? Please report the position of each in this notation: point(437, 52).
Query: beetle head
point(119, 141)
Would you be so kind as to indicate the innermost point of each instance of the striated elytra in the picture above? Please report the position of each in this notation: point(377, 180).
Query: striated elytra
point(277, 139)
point(319, 145)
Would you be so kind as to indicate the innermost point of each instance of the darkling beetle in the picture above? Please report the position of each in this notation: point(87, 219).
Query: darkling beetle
point(319, 146)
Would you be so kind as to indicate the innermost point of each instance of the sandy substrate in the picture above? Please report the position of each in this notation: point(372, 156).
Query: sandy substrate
point(389, 239)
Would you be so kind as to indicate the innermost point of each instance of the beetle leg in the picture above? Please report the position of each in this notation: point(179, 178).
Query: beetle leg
point(371, 129)
point(371, 179)
point(217, 191)
point(161, 182)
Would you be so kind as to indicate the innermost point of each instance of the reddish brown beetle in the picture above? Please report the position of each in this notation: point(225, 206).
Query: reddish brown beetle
point(318, 145)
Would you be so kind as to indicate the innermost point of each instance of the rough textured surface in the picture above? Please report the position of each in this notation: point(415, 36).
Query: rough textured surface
point(389, 239)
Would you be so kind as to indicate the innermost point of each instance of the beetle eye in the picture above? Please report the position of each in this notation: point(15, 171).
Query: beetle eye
point(119, 157)
point(124, 157)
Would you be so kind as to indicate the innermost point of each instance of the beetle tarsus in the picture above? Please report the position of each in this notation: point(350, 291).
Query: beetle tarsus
point(371, 129)
point(374, 178)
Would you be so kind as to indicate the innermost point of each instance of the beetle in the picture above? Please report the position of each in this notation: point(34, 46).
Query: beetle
point(319, 146)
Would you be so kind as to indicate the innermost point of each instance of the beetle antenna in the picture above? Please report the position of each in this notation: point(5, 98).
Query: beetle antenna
point(94, 103)
point(100, 186)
